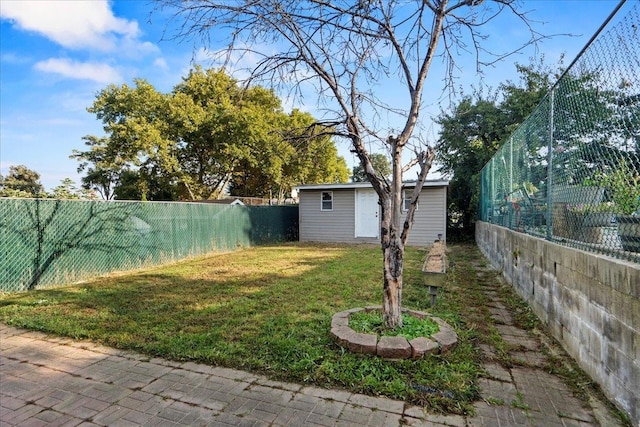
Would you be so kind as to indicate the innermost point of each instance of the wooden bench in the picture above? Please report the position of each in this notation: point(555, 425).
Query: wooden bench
point(435, 268)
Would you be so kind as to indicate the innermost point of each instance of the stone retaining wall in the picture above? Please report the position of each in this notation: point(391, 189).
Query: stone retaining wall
point(589, 302)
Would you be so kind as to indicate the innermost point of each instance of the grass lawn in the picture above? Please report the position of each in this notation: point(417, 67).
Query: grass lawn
point(268, 309)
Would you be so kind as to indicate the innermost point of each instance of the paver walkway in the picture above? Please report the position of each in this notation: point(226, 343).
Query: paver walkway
point(525, 394)
point(49, 381)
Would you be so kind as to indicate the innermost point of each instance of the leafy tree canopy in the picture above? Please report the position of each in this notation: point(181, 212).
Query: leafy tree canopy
point(477, 126)
point(66, 190)
point(380, 164)
point(21, 182)
point(208, 136)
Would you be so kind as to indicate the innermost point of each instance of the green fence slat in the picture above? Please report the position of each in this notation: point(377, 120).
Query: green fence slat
point(45, 242)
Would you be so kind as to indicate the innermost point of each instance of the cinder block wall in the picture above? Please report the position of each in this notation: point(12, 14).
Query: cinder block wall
point(589, 302)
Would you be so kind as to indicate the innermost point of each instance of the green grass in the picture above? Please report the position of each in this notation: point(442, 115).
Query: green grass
point(371, 322)
point(268, 310)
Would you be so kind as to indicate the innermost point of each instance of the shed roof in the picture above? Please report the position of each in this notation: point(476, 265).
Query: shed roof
point(354, 185)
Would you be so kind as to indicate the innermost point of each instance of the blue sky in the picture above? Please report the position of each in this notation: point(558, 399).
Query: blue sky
point(56, 55)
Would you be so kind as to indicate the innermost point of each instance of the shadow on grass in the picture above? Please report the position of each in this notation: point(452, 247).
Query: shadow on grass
point(265, 309)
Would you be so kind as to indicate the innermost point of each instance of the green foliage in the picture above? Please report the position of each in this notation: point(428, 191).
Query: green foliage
point(381, 165)
point(587, 208)
point(593, 126)
point(623, 184)
point(145, 184)
point(372, 323)
point(21, 182)
point(300, 156)
point(469, 137)
point(66, 190)
point(10, 192)
point(206, 136)
point(475, 129)
point(103, 168)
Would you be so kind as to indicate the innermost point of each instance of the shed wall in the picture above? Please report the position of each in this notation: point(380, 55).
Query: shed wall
point(430, 218)
point(338, 225)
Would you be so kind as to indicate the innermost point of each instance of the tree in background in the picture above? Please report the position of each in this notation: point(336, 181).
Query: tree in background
point(103, 170)
point(220, 128)
point(595, 127)
point(474, 130)
point(301, 156)
point(346, 51)
point(470, 134)
point(139, 139)
point(145, 184)
point(207, 136)
point(66, 190)
point(380, 164)
point(21, 182)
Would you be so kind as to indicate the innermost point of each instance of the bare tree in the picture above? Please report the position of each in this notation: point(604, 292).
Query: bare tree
point(345, 49)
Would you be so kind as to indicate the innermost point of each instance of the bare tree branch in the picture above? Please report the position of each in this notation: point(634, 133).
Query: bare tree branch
point(347, 49)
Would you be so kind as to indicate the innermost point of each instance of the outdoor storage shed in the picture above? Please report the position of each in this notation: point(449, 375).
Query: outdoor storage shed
point(350, 212)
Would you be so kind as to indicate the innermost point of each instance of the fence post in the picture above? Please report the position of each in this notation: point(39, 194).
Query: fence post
point(493, 189)
point(550, 167)
point(511, 165)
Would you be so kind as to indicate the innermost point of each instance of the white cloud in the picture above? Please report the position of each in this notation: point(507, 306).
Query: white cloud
point(160, 63)
point(80, 24)
point(134, 48)
point(101, 73)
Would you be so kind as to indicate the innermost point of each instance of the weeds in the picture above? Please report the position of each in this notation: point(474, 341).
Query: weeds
point(519, 402)
point(371, 322)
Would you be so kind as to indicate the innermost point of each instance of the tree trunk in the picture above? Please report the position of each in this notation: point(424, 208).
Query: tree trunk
point(393, 256)
point(391, 242)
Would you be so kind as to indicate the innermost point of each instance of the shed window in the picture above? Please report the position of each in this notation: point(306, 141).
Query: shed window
point(327, 201)
point(406, 200)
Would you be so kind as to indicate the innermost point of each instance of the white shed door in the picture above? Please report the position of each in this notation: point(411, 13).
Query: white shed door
point(367, 222)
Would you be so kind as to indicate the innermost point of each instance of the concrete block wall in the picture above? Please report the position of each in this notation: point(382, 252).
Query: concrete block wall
point(589, 302)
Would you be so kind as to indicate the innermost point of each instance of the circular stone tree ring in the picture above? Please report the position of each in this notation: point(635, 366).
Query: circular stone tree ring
point(397, 347)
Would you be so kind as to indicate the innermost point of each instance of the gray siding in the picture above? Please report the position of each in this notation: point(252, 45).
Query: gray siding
point(430, 218)
point(339, 225)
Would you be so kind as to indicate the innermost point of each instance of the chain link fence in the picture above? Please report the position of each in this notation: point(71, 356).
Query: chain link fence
point(571, 172)
point(46, 242)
